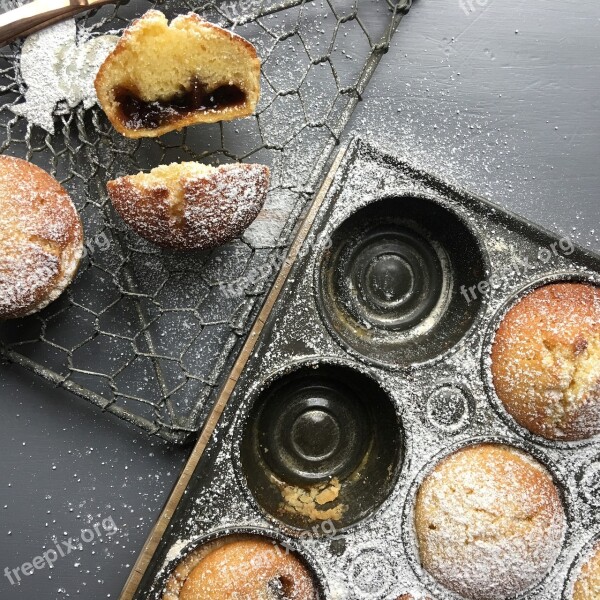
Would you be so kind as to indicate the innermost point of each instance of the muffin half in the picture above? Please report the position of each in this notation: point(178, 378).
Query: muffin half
point(189, 205)
point(162, 77)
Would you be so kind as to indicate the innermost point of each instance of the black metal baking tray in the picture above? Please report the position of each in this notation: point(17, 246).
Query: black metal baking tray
point(428, 389)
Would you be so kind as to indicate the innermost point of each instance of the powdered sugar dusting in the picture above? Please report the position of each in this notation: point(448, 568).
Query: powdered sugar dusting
point(490, 523)
point(58, 67)
point(41, 239)
point(25, 275)
point(231, 201)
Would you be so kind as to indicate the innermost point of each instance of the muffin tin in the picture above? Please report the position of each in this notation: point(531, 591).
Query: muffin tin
point(377, 333)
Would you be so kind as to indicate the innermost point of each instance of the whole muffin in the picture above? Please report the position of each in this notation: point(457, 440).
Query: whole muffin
point(546, 361)
point(587, 585)
point(489, 522)
point(41, 238)
point(241, 568)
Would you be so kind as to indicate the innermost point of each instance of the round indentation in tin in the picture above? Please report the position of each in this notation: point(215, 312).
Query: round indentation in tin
point(320, 431)
point(450, 408)
point(390, 285)
point(321, 443)
point(397, 276)
point(370, 574)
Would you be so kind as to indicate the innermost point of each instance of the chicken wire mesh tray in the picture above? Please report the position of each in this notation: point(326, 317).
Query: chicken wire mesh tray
point(148, 334)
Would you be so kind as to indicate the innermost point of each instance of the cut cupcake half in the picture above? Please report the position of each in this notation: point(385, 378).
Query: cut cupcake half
point(163, 77)
point(189, 205)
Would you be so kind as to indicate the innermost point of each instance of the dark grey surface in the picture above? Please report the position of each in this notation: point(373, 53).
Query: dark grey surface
point(504, 100)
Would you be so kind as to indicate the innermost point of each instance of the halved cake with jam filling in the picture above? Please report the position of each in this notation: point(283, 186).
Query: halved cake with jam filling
point(163, 77)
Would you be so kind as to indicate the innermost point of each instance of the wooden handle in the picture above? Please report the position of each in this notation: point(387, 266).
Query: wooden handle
point(145, 557)
point(36, 15)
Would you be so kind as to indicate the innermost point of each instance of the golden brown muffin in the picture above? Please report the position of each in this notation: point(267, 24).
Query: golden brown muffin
point(162, 77)
point(546, 361)
point(189, 205)
point(587, 586)
point(241, 568)
point(41, 238)
point(489, 522)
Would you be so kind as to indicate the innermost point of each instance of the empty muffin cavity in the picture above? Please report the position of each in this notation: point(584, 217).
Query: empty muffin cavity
point(321, 444)
point(389, 285)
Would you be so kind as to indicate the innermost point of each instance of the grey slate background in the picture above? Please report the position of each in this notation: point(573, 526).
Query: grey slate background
point(504, 100)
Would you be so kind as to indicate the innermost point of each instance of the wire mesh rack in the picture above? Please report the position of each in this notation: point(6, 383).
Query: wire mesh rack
point(148, 334)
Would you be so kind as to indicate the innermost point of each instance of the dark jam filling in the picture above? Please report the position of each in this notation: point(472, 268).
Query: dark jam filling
point(139, 114)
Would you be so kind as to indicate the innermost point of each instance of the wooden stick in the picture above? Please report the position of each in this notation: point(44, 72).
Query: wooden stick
point(161, 525)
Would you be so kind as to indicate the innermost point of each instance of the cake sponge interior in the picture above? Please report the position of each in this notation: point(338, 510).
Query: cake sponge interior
point(189, 71)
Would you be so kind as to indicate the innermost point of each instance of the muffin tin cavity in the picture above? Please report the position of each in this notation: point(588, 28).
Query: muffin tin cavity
point(321, 444)
point(450, 408)
point(389, 284)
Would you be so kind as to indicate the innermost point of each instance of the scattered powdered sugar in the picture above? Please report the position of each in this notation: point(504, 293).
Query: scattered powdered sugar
point(267, 227)
point(176, 549)
point(515, 543)
point(59, 66)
